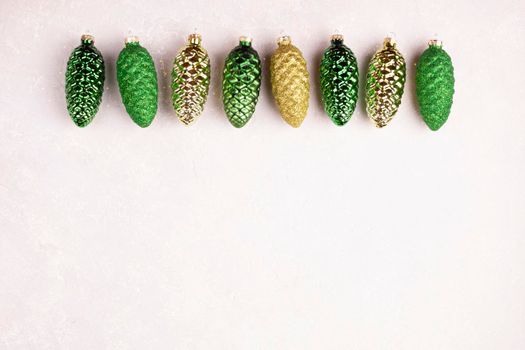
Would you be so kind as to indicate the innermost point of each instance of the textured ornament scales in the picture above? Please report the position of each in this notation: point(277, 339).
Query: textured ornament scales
point(385, 83)
point(435, 85)
point(190, 80)
point(339, 79)
point(241, 83)
point(137, 81)
point(290, 82)
point(84, 81)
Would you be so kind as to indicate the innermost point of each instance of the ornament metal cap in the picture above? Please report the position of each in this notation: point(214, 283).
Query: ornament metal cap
point(284, 40)
point(194, 39)
point(435, 42)
point(131, 39)
point(245, 40)
point(87, 37)
point(389, 41)
point(337, 37)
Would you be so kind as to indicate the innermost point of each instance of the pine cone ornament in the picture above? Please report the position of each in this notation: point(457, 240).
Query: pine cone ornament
point(290, 82)
point(190, 80)
point(137, 82)
point(339, 81)
point(434, 85)
point(241, 83)
point(385, 83)
point(84, 81)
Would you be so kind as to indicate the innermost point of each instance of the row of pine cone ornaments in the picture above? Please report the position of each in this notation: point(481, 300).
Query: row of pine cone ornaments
point(137, 80)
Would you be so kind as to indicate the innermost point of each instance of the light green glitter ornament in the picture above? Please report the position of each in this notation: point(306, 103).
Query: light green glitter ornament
point(84, 81)
point(385, 83)
point(434, 85)
point(137, 82)
point(339, 81)
point(241, 83)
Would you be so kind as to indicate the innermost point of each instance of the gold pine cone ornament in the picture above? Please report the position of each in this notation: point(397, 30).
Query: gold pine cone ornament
point(290, 82)
point(190, 80)
point(385, 83)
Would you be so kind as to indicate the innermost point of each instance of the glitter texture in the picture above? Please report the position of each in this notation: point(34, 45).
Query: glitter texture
point(434, 85)
point(137, 81)
point(290, 82)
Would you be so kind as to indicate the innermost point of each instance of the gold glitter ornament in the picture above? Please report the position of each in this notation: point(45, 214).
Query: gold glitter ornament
point(290, 82)
point(385, 82)
point(190, 80)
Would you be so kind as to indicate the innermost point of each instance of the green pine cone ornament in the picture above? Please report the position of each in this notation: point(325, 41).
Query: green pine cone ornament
point(137, 82)
point(190, 80)
point(84, 82)
point(434, 85)
point(339, 81)
point(385, 83)
point(241, 83)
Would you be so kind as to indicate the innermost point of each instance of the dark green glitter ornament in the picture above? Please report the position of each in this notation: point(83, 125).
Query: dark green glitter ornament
point(137, 81)
point(434, 85)
point(84, 81)
point(241, 83)
point(339, 81)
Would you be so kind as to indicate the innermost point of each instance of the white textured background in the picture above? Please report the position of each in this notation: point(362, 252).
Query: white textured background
point(209, 237)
